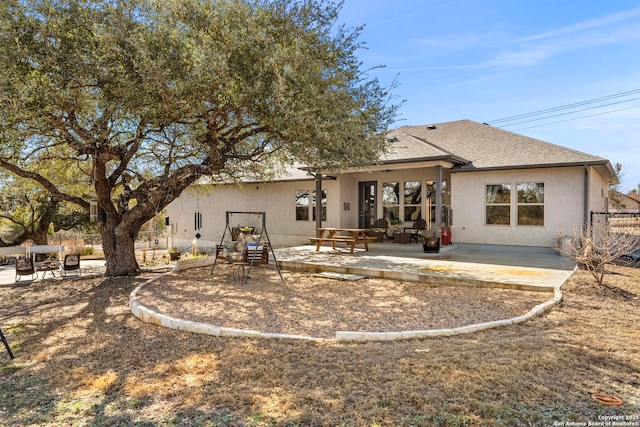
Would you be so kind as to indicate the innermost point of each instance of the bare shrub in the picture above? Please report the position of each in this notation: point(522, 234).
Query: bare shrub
point(599, 245)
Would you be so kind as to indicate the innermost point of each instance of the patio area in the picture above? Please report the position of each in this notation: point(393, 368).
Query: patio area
point(514, 267)
point(417, 302)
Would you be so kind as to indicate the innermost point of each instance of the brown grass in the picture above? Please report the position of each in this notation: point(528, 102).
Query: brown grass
point(83, 359)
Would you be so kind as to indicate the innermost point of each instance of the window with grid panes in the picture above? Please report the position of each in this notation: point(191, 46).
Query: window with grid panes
point(531, 203)
point(391, 201)
point(498, 204)
point(412, 201)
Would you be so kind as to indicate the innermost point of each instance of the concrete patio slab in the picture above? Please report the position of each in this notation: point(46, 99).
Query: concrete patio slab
point(524, 268)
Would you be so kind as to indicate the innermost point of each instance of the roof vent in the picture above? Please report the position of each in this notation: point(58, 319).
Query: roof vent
point(392, 139)
point(431, 127)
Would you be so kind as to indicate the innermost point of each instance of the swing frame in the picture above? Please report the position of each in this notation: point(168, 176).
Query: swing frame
point(248, 259)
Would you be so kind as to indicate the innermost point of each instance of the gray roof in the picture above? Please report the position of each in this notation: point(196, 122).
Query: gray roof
point(482, 145)
point(470, 146)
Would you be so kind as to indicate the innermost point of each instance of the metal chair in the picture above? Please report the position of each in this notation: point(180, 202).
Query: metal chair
point(25, 267)
point(379, 229)
point(71, 263)
point(6, 345)
point(419, 225)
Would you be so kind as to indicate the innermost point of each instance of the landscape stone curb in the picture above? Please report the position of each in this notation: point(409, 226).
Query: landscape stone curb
point(149, 316)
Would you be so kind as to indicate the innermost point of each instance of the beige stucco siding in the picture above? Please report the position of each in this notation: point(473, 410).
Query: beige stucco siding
point(563, 206)
point(598, 192)
point(276, 199)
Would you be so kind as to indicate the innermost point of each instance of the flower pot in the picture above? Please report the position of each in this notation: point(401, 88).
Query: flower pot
point(431, 244)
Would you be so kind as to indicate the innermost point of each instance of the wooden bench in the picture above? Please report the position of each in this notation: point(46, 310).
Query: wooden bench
point(250, 255)
point(350, 241)
point(13, 250)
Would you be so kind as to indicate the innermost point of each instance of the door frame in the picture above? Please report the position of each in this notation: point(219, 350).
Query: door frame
point(362, 186)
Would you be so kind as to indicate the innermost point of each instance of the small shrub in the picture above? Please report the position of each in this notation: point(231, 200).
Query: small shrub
point(597, 246)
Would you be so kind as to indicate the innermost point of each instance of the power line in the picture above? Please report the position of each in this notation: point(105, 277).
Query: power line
point(566, 107)
point(577, 118)
point(575, 111)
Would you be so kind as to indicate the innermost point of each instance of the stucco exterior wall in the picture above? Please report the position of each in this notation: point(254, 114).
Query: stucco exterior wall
point(598, 192)
point(563, 205)
point(276, 199)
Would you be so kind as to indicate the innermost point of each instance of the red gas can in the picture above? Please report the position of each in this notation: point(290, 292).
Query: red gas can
point(445, 236)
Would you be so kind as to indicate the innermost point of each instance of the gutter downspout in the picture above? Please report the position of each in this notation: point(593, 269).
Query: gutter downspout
point(586, 197)
point(438, 214)
point(318, 207)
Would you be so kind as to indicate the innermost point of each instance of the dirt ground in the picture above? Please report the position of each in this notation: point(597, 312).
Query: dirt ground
point(83, 359)
point(318, 307)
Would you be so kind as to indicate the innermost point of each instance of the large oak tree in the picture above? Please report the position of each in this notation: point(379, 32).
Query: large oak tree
point(140, 98)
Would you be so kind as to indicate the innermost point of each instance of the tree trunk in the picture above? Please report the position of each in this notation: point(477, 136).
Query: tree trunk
point(40, 234)
point(118, 244)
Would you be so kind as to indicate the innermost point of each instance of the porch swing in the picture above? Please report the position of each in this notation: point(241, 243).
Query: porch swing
point(245, 248)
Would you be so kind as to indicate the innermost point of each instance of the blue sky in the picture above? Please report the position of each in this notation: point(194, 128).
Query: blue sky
point(486, 60)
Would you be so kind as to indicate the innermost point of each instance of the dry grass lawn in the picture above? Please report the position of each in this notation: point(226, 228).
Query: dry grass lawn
point(83, 359)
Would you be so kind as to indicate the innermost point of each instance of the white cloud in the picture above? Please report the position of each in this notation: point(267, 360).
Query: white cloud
point(609, 30)
point(536, 49)
point(584, 25)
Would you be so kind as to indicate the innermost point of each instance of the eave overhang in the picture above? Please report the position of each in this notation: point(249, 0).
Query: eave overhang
point(602, 166)
point(447, 161)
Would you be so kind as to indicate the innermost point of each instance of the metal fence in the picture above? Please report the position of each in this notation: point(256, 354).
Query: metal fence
point(145, 240)
point(620, 222)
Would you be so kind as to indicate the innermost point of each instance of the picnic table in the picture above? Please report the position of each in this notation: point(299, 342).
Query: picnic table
point(350, 236)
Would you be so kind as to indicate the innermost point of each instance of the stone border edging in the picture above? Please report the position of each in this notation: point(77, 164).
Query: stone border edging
point(392, 336)
point(149, 316)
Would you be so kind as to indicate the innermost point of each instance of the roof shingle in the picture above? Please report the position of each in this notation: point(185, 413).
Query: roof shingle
point(483, 145)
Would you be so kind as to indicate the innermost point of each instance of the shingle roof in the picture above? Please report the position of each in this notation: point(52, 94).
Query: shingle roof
point(633, 196)
point(483, 145)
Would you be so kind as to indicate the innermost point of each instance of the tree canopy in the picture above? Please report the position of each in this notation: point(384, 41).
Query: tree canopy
point(136, 99)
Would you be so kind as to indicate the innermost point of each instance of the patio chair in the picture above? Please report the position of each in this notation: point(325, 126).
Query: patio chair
point(379, 230)
point(419, 225)
point(25, 267)
point(71, 263)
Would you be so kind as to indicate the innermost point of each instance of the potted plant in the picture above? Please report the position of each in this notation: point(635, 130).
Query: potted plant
point(395, 225)
point(431, 243)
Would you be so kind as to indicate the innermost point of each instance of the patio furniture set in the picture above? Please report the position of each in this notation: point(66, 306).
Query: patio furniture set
point(379, 232)
point(26, 264)
point(246, 248)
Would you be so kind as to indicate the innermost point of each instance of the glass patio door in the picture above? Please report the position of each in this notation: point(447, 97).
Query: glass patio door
point(368, 204)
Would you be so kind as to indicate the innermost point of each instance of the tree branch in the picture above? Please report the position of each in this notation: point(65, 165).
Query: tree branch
point(48, 185)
